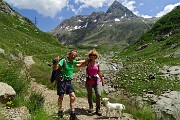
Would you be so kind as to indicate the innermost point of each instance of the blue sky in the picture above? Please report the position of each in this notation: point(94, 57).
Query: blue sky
point(50, 13)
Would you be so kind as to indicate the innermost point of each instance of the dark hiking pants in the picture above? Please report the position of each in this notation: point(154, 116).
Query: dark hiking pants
point(97, 91)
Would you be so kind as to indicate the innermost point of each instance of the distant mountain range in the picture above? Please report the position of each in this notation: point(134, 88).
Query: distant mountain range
point(118, 25)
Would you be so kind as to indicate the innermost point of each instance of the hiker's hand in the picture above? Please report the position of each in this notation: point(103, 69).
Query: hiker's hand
point(55, 82)
point(57, 59)
point(103, 83)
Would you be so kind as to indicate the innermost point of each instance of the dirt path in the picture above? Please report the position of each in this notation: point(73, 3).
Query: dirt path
point(50, 104)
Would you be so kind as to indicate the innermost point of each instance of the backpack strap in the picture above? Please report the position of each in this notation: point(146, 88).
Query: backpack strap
point(63, 66)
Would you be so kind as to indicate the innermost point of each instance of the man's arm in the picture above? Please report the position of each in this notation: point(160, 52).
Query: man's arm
point(56, 65)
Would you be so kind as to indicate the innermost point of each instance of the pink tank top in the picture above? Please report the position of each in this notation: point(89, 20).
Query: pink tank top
point(92, 70)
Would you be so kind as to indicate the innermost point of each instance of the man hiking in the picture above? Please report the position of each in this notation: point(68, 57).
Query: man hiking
point(64, 81)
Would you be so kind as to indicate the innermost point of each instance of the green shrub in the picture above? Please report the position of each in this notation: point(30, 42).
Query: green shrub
point(35, 102)
point(14, 79)
point(19, 100)
point(145, 113)
point(40, 115)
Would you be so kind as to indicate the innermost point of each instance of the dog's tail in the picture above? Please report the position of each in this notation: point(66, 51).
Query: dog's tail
point(123, 107)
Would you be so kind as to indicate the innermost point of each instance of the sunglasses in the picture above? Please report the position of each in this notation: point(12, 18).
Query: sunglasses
point(92, 55)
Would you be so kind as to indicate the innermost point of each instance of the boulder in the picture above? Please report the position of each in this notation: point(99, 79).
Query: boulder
point(142, 47)
point(6, 92)
point(176, 53)
point(167, 106)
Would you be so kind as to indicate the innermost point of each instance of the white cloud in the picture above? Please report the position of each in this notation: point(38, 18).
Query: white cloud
point(45, 7)
point(71, 7)
point(50, 8)
point(60, 18)
point(92, 3)
point(167, 9)
point(129, 4)
point(146, 16)
point(141, 4)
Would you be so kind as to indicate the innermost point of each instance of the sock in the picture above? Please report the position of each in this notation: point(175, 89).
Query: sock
point(73, 110)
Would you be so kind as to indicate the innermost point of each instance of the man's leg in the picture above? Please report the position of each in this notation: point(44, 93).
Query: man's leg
point(60, 100)
point(60, 93)
point(72, 97)
point(60, 109)
point(72, 106)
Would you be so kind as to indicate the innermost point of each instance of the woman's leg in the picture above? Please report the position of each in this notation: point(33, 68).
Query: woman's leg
point(89, 94)
point(98, 98)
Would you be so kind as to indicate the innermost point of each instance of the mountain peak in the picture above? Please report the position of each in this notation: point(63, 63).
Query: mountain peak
point(119, 10)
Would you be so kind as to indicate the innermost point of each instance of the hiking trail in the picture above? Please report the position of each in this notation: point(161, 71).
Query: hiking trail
point(50, 104)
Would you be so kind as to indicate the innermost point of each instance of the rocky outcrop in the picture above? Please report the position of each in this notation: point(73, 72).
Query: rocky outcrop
point(7, 9)
point(167, 106)
point(6, 92)
point(142, 47)
point(171, 72)
point(2, 51)
point(176, 53)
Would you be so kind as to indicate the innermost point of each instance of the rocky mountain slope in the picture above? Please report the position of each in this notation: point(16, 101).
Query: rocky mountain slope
point(117, 26)
point(5, 8)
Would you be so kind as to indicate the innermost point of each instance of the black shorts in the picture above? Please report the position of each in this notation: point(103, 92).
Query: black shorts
point(64, 87)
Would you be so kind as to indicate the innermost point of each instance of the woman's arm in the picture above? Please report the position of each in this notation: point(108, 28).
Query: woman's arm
point(82, 63)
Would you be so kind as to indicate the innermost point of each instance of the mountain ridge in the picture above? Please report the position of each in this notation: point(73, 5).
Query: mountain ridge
point(103, 27)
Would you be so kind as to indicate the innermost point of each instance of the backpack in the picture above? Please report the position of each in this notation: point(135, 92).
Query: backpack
point(55, 73)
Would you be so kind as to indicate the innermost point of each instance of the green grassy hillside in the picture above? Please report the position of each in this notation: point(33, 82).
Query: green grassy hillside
point(17, 36)
point(20, 38)
point(166, 29)
point(149, 54)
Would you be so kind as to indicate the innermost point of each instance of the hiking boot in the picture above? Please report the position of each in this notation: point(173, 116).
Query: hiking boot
point(60, 114)
point(98, 112)
point(73, 116)
point(90, 109)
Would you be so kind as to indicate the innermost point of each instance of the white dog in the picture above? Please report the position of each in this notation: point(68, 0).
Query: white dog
point(113, 106)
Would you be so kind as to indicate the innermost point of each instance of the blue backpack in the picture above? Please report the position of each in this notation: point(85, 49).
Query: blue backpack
point(55, 73)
